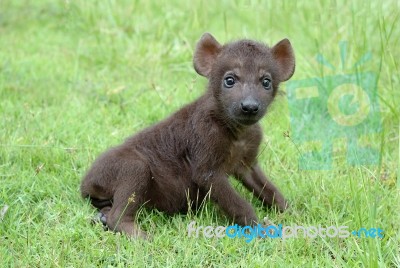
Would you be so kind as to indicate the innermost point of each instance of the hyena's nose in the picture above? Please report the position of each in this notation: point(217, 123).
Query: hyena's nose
point(250, 106)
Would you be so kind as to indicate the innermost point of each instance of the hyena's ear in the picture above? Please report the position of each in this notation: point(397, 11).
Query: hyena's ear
point(284, 58)
point(207, 50)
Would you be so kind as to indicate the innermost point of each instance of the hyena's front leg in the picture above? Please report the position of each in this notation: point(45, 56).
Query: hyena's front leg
point(255, 180)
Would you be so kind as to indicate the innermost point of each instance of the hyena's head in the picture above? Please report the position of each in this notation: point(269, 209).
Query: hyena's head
point(244, 75)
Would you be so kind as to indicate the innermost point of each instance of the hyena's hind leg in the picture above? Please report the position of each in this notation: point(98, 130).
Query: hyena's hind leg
point(130, 194)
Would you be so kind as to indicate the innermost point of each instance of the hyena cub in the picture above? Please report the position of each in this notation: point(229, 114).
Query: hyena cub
point(192, 153)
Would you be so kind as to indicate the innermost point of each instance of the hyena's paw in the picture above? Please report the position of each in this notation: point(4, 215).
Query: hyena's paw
point(100, 218)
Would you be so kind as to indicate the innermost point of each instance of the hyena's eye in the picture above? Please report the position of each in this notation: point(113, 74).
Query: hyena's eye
point(266, 82)
point(229, 81)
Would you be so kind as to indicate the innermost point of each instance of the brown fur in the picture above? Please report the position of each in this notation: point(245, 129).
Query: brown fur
point(193, 152)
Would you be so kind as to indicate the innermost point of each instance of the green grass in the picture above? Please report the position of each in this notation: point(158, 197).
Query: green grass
point(77, 77)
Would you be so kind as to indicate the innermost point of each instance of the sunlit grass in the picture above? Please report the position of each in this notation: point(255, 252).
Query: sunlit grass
point(77, 77)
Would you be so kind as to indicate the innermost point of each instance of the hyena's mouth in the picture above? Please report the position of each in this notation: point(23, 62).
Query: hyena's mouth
point(247, 119)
